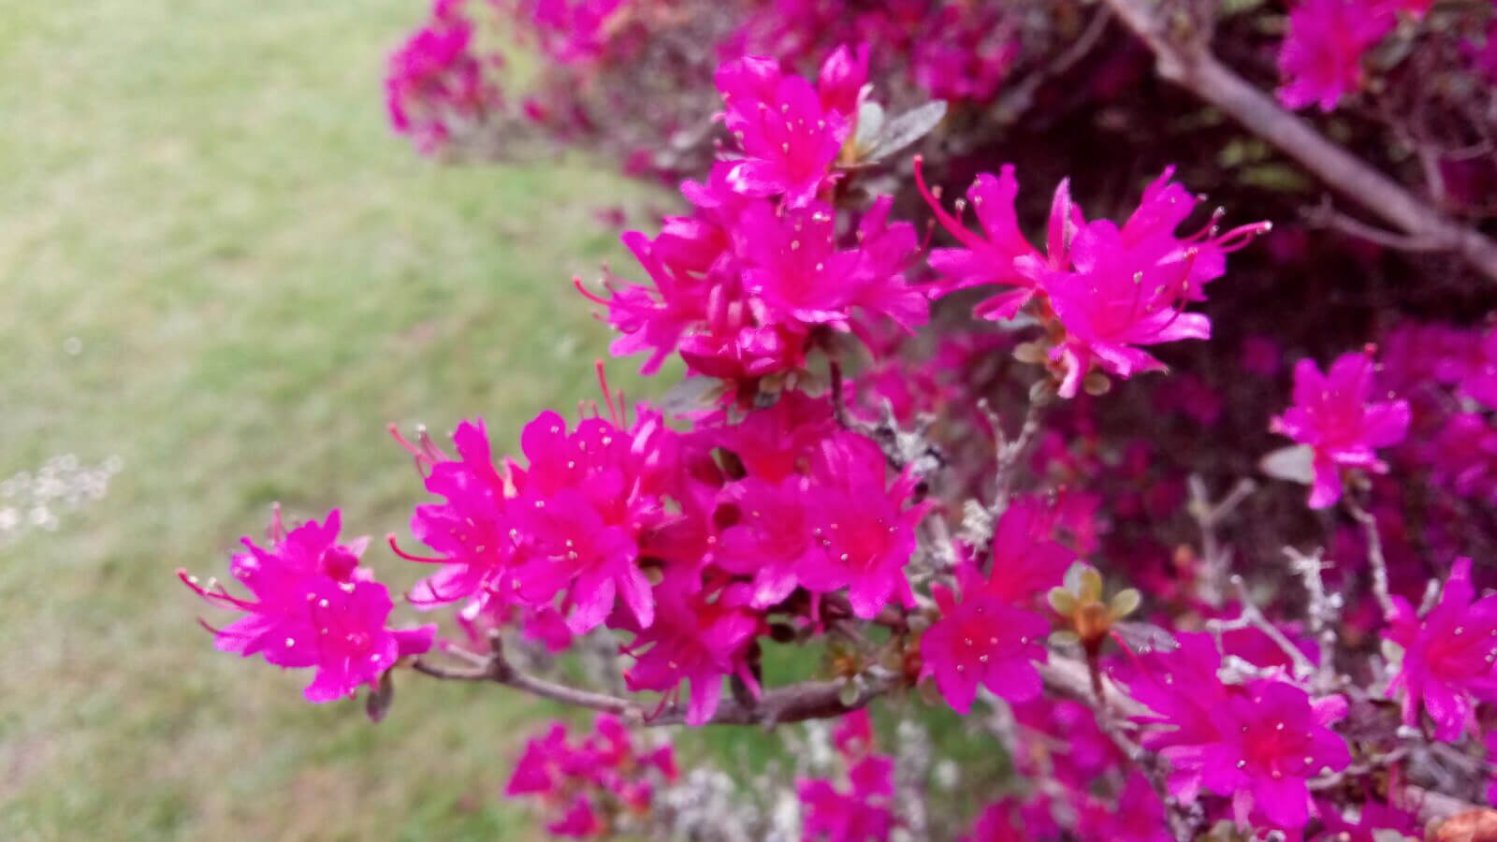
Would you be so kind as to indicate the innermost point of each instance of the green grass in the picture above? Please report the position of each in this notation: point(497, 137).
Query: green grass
point(261, 276)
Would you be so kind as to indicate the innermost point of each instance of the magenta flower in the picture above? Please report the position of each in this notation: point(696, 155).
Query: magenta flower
point(988, 260)
point(1110, 304)
point(314, 607)
point(777, 541)
point(777, 441)
point(841, 81)
point(1480, 382)
point(469, 529)
point(796, 275)
point(697, 636)
point(1321, 58)
point(580, 821)
point(789, 139)
point(435, 83)
point(981, 640)
point(1027, 560)
point(1448, 655)
point(862, 814)
point(867, 523)
point(1334, 415)
point(1138, 816)
point(1258, 744)
point(584, 785)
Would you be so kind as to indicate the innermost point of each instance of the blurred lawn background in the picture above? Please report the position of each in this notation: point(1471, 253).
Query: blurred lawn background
point(203, 201)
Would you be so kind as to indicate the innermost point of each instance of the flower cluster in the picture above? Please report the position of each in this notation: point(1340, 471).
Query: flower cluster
point(1100, 290)
point(863, 811)
point(915, 506)
point(988, 634)
point(1256, 743)
point(1321, 58)
point(760, 274)
point(312, 607)
point(571, 539)
point(1448, 655)
point(592, 787)
point(437, 83)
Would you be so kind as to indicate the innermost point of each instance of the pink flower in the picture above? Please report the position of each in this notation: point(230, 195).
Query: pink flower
point(1138, 815)
point(779, 541)
point(743, 286)
point(989, 260)
point(1481, 381)
point(586, 785)
point(789, 138)
point(1334, 416)
point(868, 524)
point(853, 735)
point(698, 636)
point(435, 82)
point(981, 640)
point(1007, 820)
point(1257, 743)
point(1448, 655)
point(313, 607)
point(842, 79)
point(862, 814)
point(1109, 305)
point(1027, 560)
point(1321, 59)
point(469, 530)
point(964, 53)
point(797, 275)
point(579, 821)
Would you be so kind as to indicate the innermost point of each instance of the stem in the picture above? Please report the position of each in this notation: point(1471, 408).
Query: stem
point(1011, 453)
point(1252, 617)
point(1195, 68)
point(1216, 558)
point(791, 703)
point(1375, 558)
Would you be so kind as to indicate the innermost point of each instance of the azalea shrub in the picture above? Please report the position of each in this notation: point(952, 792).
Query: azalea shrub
point(1153, 500)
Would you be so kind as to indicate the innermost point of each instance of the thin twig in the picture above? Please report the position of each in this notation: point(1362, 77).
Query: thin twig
point(1375, 558)
point(1193, 66)
point(1252, 617)
point(791, 703)
point(1323, 611)
point(1216, 558)
point(1011, 453)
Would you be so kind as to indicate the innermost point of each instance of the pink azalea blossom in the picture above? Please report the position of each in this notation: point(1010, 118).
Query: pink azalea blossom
point(1321, 58)
point(1027, 560)
point(1335, 416)
point(862, 814)
point(980, 639)
point(694, 638)
point(1257, 743)
point(1448, 655)
point(313, 607)
point(740, 288)
point(788, 137)
point(1109, 306)
point(436, 82)
point(584, 784)
point(842, 80)
point(988, 260)
point(1112, 288)
point(1137, 816)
